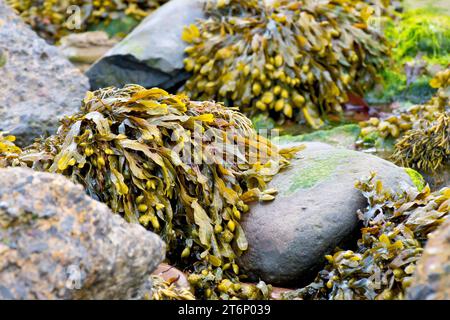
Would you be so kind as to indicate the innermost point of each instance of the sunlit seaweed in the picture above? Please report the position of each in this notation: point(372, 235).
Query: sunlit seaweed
point(185, 170)
point(293, 60)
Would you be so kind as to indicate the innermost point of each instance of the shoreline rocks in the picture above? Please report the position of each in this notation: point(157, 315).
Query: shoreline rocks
point(314, 212)
point(152, 54)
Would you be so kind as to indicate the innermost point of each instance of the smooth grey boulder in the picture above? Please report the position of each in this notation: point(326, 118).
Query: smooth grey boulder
point(58, 243)
point(315, 211)
point(38, 85)
point(152, 54)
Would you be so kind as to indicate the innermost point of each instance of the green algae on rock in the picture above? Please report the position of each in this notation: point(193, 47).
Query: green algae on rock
point(183, 169)
point(291, 60)
point(395, 230)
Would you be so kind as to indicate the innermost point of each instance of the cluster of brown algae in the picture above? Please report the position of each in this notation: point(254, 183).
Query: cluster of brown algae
point(394, 233)
point(52, 19)
point(292, 59)
point(185, 170)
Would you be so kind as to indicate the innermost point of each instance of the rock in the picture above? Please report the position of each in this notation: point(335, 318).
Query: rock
point(431, 279)
point(152, 55)
point(38, 84)
point(83, 49)
point(58, 243)
point(314, 212)
point(439, 179)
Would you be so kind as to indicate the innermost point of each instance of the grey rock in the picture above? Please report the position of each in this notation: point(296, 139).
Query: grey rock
point(315, 211)
point(152, 54)
point(38, 85)
point(58, 243)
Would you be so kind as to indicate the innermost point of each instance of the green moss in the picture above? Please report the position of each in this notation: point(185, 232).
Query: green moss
point(416, 178)
point(345, 136)
point(262, 121)
point(319, 170)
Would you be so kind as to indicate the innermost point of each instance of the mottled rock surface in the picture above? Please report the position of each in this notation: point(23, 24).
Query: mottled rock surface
point(57, 243)
point(38, 85)
point(432, 276)
point(314, 212)
point(83, 49)
point(152, 55)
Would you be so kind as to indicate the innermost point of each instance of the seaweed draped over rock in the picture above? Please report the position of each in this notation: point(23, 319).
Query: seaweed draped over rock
point(185, 170)
point(421, 133)
point(293, 59)
point(52, 19)
point(395, 230)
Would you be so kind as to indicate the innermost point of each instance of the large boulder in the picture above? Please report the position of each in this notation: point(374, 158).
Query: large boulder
point(152, 55)
point(315, 211)
point(432, 275)
point(58, 243)
point(38, 84)
point(83, 49)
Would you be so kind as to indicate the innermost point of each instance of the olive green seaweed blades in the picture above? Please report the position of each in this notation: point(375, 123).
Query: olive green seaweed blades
point(292, 60)
point(185, 170)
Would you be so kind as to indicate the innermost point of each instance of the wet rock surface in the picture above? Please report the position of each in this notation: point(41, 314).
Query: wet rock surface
point(58, 243)
point(37, 85)
point(314, 212)
point(152, 55)
point(432, 276)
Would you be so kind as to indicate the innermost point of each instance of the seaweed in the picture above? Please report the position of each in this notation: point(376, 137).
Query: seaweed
point(394, 232)
point(183, 169)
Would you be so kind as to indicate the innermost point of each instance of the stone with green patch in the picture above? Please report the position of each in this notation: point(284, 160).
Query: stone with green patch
point(315, 211)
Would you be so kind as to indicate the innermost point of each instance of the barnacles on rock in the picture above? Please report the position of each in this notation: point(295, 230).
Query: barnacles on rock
point(52, 19)
point(394, 232)
point(183, 169)
point(292, 60)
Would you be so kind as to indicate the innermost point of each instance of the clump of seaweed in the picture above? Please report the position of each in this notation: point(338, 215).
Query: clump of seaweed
point(395, 230)
point(426, 149)
point(417, 118)
point(420, 42)
point(52, 19)
point(292, 60)
point(185, 170)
